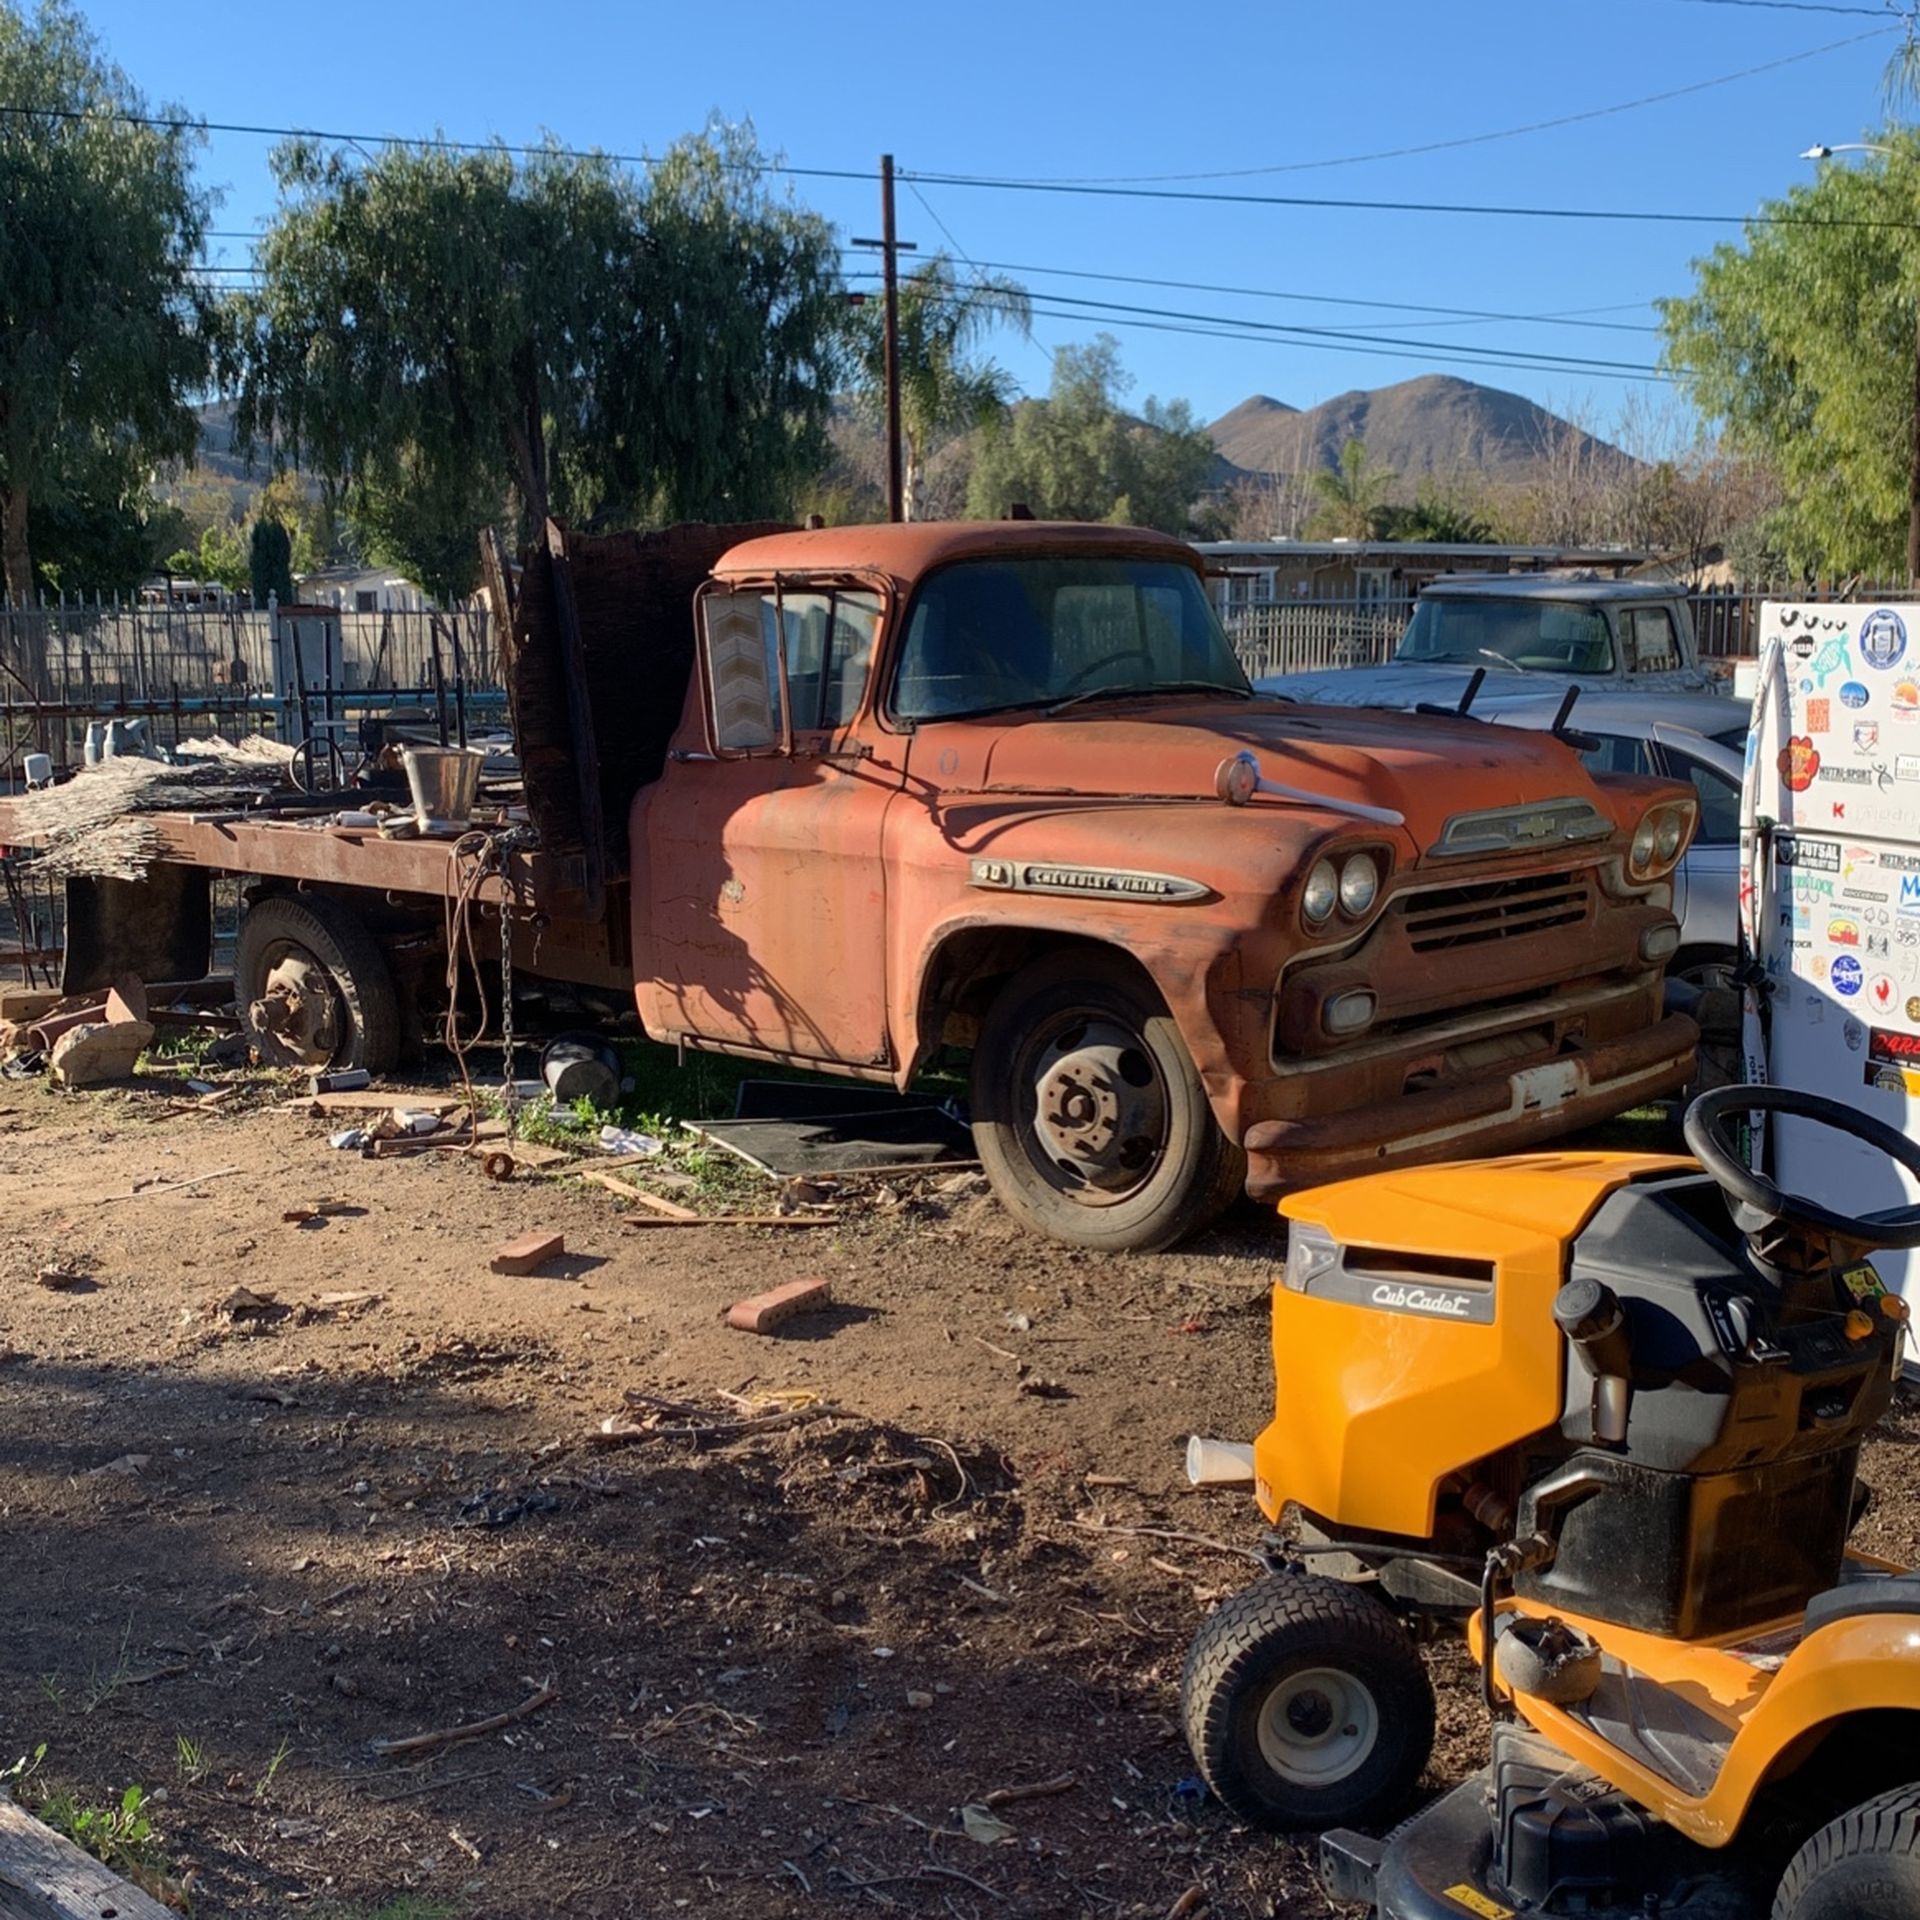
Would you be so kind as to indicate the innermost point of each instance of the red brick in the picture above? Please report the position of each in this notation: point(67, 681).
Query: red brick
point(765, 1311)
point(531, 1250)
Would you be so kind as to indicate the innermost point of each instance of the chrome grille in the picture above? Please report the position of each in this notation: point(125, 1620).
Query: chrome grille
point(1448, 917)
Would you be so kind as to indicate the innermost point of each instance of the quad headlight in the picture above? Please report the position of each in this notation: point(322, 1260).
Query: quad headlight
point(1321, 893)
point(1661, 838)
point(1359, 885)
point(1351, 884)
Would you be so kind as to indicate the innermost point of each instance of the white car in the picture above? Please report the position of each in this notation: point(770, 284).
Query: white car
point(1635, 738)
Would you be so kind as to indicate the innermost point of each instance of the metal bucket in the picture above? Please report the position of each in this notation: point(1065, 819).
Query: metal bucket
point(443, 782)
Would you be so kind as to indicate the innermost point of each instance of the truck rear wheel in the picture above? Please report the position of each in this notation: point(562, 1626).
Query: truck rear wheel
point(312, 986)
point(1088, 1114)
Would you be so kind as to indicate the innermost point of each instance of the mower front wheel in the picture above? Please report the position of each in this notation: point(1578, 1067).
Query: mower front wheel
point(1863, 1866)
point(1307, 1706)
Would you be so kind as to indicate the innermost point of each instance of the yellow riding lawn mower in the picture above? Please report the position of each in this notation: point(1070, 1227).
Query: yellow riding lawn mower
point(1605, 1412)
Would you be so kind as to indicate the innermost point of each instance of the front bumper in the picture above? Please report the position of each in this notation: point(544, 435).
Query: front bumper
point(1522, 1102)
point(1433, 1867)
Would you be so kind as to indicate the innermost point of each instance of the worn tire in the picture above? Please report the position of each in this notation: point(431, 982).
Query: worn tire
point(1863, 1866)
point(1307, 1706)
point(1195, 1177)
point(333, 938)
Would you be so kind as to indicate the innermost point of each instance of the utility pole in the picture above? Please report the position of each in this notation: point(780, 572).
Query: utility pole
point(891, 247)
point(1913, 464)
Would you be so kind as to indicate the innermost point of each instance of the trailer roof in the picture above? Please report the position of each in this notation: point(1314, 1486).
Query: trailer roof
point(905, 552)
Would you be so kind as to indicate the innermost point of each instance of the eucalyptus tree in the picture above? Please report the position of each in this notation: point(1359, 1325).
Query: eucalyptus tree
point(104, 321)
point(437, 331)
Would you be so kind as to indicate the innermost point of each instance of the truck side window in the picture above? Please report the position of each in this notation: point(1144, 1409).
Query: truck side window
point(829, 646)
point(1652, 646)
point(827, 638)
point(743, 668)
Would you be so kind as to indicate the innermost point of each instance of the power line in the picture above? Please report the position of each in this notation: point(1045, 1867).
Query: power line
point(1797, 6)
point(438, 143)
point(1455, 356)
point(1504, 133)
point(1194, 194)
point(1279, 330)
point(1568, 317)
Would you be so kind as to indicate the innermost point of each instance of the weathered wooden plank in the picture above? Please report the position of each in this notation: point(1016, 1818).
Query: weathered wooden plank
point(43, 1877)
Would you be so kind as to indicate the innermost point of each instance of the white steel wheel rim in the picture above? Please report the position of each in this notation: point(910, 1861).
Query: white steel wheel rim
point(1317, 1727)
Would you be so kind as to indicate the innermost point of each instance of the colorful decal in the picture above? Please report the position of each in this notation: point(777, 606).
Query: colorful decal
point(1831, 659)
point(1883, 638)
point(1847, 977)
point(1819, 716)
point(1910, 896)
point(1792, 850)
point(1866, 735)
point(1906, 699)
point(1799, 763)
point(1842, 933)
point(1853, 694)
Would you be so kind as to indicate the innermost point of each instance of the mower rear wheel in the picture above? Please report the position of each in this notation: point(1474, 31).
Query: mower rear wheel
point(1307, 1705)
point(1863, 1866)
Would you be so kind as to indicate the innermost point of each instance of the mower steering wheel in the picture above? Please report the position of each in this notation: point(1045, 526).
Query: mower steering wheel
point(1756, 1195)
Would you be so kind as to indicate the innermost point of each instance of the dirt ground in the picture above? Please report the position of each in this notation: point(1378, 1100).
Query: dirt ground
point(240, 1550)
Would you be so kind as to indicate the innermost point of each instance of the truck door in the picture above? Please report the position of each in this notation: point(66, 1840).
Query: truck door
point(760, 897)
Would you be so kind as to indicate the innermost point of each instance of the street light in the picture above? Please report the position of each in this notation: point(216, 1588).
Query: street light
point(1913, 456)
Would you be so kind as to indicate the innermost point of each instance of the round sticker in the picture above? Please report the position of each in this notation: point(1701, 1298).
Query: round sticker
point(1883, 638)
point(1883, 992)
point(1846, 975)
point(1856, 1035)
point(1853, 694)
point(1913, 1010)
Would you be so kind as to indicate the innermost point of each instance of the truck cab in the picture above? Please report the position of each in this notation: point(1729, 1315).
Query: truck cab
point(1004, 788)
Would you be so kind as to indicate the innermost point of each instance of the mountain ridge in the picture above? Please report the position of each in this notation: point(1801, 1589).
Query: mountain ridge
point(1433, 424)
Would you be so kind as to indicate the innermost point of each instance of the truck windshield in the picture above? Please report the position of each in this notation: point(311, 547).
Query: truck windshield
point(988, 635)
point(1544, 636)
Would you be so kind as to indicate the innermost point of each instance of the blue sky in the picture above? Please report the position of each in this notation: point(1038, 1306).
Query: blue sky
point(1129, 90)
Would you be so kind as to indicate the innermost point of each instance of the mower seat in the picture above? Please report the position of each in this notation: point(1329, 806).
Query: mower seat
point(1872, 1593)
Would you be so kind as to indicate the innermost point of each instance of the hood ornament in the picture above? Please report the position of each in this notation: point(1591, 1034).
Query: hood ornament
point(1238, 778)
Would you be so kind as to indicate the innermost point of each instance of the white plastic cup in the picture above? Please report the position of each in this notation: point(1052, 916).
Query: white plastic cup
point(1218, 1463)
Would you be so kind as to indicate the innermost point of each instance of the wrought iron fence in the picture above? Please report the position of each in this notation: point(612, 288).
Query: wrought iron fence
point(1315, 635)
point(191, 670)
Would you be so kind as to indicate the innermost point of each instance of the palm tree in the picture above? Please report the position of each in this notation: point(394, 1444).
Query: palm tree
point(1348, 498)
point(944, 389)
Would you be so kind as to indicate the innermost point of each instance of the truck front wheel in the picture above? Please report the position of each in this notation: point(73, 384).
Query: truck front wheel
point(1088, 1114)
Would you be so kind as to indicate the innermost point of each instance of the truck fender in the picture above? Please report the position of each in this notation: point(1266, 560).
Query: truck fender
point(1195, 967)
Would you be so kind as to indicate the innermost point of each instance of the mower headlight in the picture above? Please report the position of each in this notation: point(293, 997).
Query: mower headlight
point(1660, 839)
point(1311, 1252)
point(1321, 893)
point(1359, 885)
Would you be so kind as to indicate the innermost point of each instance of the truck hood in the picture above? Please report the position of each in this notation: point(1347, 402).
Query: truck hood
point(1397, 684)
point(1425, 768)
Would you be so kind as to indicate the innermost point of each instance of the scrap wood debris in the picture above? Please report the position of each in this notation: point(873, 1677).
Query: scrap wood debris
point(93, 824)
point(471, 1730)
point(659, 1419)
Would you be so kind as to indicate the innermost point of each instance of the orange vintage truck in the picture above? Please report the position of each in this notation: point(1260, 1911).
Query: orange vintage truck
point(1003, 788)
